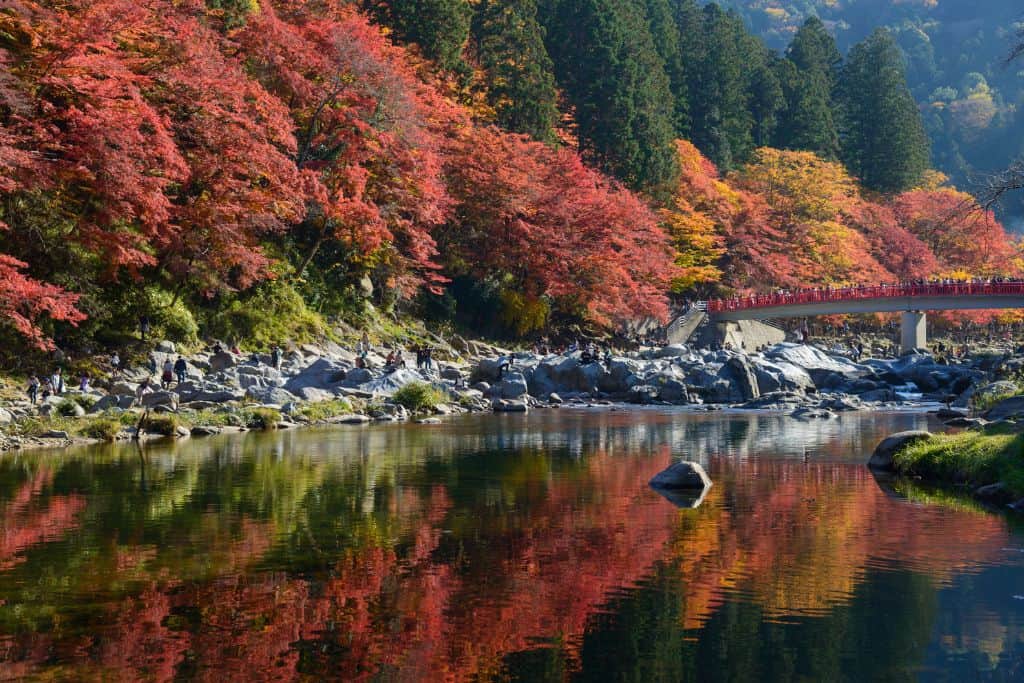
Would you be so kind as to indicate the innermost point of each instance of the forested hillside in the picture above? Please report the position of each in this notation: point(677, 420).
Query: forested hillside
point(955, 53)
point(249, 169)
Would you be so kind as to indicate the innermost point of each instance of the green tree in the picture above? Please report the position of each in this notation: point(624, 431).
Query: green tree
point(720, 55)
point(521, 82)
point(665, 34)
point(882, 137)
point(809, 79)
point(439, 27)
point(615, 80)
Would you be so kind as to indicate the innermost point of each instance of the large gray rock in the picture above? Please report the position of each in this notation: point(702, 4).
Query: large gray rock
point(314, 395)
point(124, 388)
point(1005, 409)
point(166, 346)
point(506, 406)
point(273, 395)
point(780, 376)
point(882, 458)
point(216, 395)
point(745, 377)
point(392, 382)
point(323, 373)
point(6, 417)
point(159, 398)
point(818, 364)
point(513, 385)
point(357, 376)
point(219, 362)
point(682, 475)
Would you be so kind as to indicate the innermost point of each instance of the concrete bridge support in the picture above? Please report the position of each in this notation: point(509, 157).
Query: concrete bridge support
point(914, 331)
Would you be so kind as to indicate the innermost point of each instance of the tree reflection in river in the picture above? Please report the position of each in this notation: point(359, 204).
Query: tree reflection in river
point(497, 547)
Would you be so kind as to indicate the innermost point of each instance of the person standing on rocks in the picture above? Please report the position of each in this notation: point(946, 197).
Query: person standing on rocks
point(143, 326)
point(33, 388)
point(275, 357)
point(115, 365)
point(143, 389)
point(180, 369)
point(83, 382)
point(168, 374)
point(151, 364)
point(57, 382)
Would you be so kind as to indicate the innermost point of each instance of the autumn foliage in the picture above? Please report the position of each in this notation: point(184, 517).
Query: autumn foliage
point(159, 142)
point(792, 219)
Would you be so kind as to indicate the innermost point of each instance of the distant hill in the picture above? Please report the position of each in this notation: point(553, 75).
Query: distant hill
point(955, 50)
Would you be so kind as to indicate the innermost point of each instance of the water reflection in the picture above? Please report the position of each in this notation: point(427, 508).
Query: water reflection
point(504, 548)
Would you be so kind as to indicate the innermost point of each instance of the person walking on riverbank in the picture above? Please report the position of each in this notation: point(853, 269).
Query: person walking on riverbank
point(168, 374)
point(33, 388)
point(115, 365)
point(181, 369)
point(275, 357)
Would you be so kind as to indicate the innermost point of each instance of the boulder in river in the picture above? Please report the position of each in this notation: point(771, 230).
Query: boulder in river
point(681, 475)
point(882, 458)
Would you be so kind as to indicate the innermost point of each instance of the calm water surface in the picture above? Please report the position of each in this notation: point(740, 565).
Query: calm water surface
point(503, 548)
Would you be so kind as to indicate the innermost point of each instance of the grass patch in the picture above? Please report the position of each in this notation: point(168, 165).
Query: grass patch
point(969, 458)
point(103, 428)
point(419, 397)
point(323, 410)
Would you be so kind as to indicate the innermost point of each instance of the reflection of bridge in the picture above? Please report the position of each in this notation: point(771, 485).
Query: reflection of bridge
point(910, 300)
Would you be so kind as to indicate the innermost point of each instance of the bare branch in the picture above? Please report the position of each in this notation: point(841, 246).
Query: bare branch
point(996, 185)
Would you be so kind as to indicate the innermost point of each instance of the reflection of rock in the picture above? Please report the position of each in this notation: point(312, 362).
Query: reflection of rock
point(686, 499)
point(682, 475)
point(882, 458)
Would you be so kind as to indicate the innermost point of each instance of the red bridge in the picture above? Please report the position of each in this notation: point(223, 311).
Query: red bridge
point(909, 299)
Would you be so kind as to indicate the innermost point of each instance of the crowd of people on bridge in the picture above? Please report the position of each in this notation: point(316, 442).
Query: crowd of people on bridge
point(919, 287)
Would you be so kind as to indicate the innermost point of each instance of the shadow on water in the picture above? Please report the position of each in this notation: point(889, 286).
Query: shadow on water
point(502, 548)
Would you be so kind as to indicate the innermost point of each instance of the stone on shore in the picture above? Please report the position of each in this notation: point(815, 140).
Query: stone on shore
point(1006, 409)
point(885, 452)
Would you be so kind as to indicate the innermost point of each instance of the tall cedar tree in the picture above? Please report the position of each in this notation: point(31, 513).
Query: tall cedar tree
point(606, 59)
point(882, 137)
point(809, 76)
point(520, 74)
point(722, 59)
point(665, 33)
point(439, 27)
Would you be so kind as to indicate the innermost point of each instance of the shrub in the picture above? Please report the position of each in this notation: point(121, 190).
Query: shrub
point(165, 424)
point(67, 408)
point(418, 397)
point(261, 418)
point(171, 319)
point(271, 313)
point(85, 400)
point(104, 429)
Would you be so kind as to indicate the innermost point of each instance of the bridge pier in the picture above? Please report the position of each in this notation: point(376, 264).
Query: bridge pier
point(913, 331)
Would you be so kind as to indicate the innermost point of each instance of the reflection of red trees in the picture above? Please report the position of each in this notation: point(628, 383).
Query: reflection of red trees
point(25, 523)
point(796, 538)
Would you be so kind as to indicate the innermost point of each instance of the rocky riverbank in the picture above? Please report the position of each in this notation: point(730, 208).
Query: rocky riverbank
point(316, 384)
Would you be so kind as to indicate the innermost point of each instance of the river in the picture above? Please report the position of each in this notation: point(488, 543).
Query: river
point(511, 548)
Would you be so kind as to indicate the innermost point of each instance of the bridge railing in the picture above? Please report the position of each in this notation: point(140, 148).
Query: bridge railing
point(825, 295)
